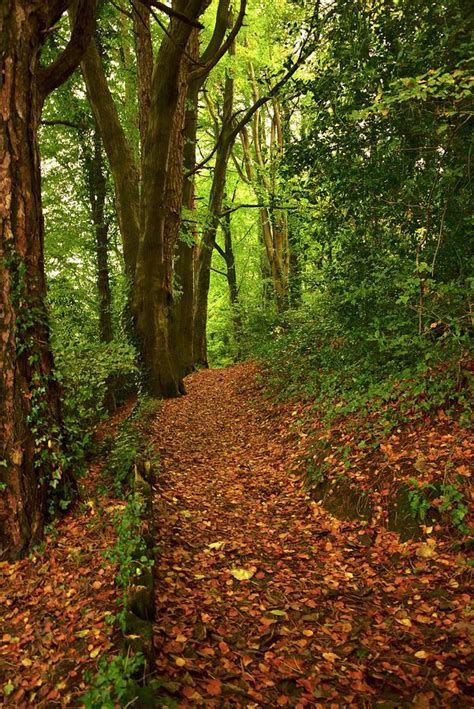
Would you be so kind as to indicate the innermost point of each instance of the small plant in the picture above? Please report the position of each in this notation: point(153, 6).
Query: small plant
point(419, 502)
point(453, 501)
point(115, 682)
point(444, 497)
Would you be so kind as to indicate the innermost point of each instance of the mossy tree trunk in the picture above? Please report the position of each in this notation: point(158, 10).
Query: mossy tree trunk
point(32, 460)
point(150, 196)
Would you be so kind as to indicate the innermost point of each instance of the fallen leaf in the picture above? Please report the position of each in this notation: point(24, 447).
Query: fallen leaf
point(404, 621)
point(421, 654)
point(214, 687)
point(243, 574)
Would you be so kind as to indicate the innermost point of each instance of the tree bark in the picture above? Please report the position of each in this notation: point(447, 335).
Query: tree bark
point(183, 314)
point(227, 254)
point(274, 223)
point(32, 460)
point(97, 188)
point(161, 205)
point(124, 170)
point(206, 247)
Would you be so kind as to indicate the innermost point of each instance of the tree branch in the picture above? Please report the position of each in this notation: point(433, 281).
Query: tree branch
point(171, 12)
point(219, 250)
point(67, 124)
point(52, 76)
point(211, 59)
point(230, 137)
point(221, 273)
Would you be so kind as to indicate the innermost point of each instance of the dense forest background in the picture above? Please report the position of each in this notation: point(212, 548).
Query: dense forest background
point(288, 181)
point(236, 318)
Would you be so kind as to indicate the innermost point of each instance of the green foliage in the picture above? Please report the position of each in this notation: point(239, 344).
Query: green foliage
point(130, 445)
point(129, 552)
point(118, 683)
point(379, 169)
point(115, 682)
point(446, 498)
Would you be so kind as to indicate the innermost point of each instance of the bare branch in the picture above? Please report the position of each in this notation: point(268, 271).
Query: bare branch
point(221, 273)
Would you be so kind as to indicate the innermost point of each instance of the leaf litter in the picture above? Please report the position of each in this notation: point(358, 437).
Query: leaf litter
point(265, 598)
point(57, 606)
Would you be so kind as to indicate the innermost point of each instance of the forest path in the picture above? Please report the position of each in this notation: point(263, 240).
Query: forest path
point(321, 619)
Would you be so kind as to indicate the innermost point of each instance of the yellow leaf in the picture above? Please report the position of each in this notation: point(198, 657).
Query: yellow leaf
point(93, 653)
point(426, 551)
point(421, 654)
point(26, 662)
point(216, 545)
point(180, 661)
point(404, 621)
point(330, 656)
point(243, 574)
point(82, 633)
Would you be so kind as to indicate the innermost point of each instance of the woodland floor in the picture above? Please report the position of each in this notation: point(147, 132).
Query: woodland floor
point(264, 598)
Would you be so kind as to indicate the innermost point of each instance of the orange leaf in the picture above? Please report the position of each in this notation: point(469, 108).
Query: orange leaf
point(189, 692)
point(214, 687)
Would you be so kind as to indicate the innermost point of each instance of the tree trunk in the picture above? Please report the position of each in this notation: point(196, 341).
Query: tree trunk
point(228, 255)
point(121, 159)
point(32, 460)
point(183, 315)
point(206, 247)
point(273, 220)
point(97, 188)
point(161, 206)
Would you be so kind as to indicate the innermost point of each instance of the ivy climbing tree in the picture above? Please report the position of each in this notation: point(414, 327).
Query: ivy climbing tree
point(33, 461)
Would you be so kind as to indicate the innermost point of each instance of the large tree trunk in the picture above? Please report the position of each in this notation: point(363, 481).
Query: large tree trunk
point(161, 206)
point(120, 155)
point(32, 462)
point(183, 315)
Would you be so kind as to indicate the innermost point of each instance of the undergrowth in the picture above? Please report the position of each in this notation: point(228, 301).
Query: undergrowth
point(129, 446)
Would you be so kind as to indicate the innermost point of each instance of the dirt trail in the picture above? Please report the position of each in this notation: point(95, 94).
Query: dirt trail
point(333, 614)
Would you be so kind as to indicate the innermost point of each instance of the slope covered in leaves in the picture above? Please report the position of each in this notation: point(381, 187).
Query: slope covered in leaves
point(265, 598)
point(57, 607)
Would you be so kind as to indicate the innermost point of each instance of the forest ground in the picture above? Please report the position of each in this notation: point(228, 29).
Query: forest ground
point(264, 598)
